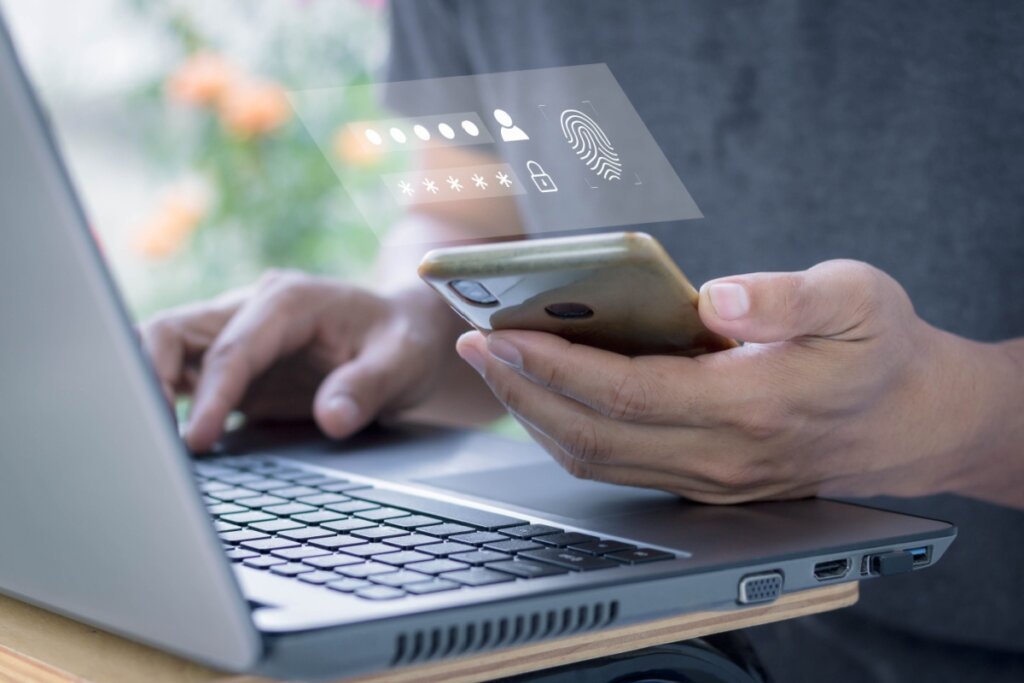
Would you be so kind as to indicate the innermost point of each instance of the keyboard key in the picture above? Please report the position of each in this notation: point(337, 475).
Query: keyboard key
point(289, 509)
point(413, 521)
point(211, 470)
point(238, 478)
point(232, 494)
point(262, 501)
point(479, 576)
point(443, 530)
point(291, 569)
point(380, 514)
point(570, 559)
point(641, 555)
point(480, 519)
point(566, 538)
point(318, 578)
point(239, 554)
point(332, 561)
point(336, 541)
point(380, 593)
point(368, 549)
point(437, 566)
point(378, 532)
point(264, 485)
point(318, 517)
point(275, 525)
point(225, 526)
point(602, 547)
point(296, 492)
point(225, 508)
point(348, 585)
point(513, 545)
point(530, 530)
point(405, 557)
point(400, 578)
point(266, 467)
point(528, 570)
point(300, 553)
point(434, 586)
point(268, 544)
point(247, 517)
point(322, 499)
point(241, 535)
point(410, 541)
point(478, 537)
point(445, 549)
point(211, 486)
point(478, 557)
point(306, 533)
point(318, 479)
point(291, 474)
point(263, 562)
point(350, 506)
point(348, 525)
point(361, 571)
point(339, 487)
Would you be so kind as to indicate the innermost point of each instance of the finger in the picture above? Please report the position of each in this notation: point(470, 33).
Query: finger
point(163, 344)
point(355, 393)
point(647, 389)
point(835, 299)
point(268, 326)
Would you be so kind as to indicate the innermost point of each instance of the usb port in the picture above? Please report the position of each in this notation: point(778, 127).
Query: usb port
point(922, 556)
point(832, 569)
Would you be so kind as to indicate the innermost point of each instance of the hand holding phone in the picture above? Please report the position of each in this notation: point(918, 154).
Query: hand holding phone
point(619, 292)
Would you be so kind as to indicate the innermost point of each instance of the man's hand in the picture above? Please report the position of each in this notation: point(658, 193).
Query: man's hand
point(840, 389)
point(295, 345)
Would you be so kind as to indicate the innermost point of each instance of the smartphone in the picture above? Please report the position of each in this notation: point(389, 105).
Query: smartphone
point(615, 291)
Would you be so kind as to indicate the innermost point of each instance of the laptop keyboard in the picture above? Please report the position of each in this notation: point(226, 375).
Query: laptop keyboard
point(380, 544)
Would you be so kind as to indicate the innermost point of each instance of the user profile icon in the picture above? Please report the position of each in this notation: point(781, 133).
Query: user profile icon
point(510, 132)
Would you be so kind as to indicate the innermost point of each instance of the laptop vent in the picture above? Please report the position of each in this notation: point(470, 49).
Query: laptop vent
point(490, 634)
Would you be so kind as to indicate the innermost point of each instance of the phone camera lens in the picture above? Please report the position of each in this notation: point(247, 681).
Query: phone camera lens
point(473, 292)
point(569, 311)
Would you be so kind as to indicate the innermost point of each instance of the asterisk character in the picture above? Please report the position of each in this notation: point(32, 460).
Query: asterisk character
point(430, 185)
point(454, 183)
point(406, 189)
point(479, 181)
point(503, 179)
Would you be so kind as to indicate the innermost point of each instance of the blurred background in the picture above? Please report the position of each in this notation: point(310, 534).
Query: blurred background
point(175, 121)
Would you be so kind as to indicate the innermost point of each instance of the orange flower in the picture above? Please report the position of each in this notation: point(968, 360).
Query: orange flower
point(201, 80)
point(353, 149)
point(252, 108)
point(175, 219)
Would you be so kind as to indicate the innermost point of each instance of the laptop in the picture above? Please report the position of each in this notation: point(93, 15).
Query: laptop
point(298, 557)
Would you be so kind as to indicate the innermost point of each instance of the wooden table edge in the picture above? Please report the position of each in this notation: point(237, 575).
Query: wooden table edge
point(42, 647)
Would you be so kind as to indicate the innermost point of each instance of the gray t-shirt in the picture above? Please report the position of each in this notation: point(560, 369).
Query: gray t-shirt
point(808, 130)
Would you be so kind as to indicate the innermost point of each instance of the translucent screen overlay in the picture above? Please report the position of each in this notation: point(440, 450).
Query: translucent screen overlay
point(565, 144)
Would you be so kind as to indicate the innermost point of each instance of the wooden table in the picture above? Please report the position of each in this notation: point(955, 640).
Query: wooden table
point(41, 647)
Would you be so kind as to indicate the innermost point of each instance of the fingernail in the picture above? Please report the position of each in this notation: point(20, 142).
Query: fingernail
point(469, 353)
point(729, 300)
point(505, 352)
point(344, 409)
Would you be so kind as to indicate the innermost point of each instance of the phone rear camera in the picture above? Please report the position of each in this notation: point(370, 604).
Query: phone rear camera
point(569, 311)
point(473, 292)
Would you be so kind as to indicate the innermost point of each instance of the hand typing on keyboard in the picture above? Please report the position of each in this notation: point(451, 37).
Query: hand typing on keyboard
point(295, 346)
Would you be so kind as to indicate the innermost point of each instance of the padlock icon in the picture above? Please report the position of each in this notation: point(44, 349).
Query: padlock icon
point(540, 177)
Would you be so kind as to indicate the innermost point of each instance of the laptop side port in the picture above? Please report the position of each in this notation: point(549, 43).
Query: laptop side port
point(922, 556)
point(760, 588)
point(832, 569)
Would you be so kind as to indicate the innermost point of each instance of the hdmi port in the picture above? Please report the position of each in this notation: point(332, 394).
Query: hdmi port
point(832, 569)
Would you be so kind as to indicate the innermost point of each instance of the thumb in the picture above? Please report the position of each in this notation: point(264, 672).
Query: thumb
point(835, 299)
point(351, 396)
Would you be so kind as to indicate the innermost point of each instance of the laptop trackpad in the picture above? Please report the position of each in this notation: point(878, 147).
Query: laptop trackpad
point(548, 489)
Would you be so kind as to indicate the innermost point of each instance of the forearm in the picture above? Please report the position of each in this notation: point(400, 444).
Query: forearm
point(992, 455)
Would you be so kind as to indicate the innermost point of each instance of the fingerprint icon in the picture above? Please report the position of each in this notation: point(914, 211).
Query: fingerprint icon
point(591, 144)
